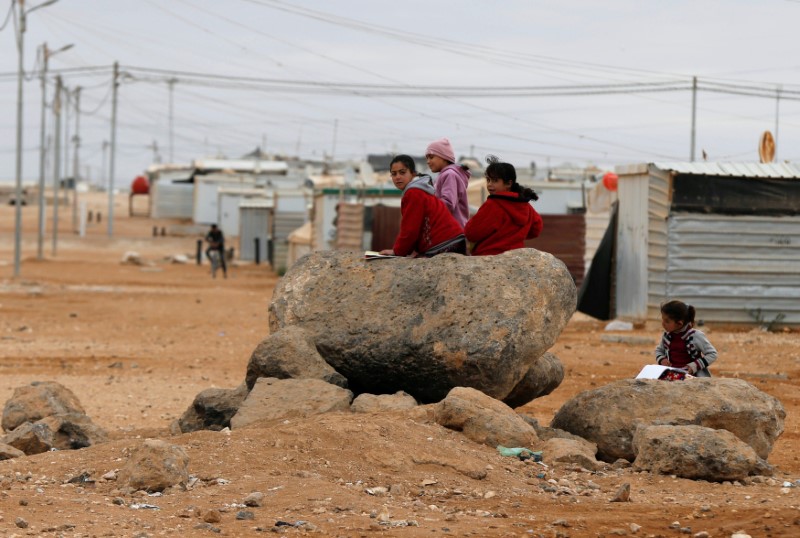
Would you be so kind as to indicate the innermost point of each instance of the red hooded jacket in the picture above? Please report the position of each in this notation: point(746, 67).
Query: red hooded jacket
point(425, 222)
point(502, 223)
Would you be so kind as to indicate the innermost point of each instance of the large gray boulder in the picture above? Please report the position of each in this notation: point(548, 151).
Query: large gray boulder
point(696, 452)
point(290, 354)
point(610, 415)
point(542, 378)
point(425, 326)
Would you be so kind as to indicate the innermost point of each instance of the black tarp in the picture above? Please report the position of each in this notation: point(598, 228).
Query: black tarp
point(594, 297)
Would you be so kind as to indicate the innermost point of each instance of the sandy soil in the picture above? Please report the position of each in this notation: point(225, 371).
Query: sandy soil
point(137, 343)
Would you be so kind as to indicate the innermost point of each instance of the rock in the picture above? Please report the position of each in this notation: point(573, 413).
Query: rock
point(290, 354)
point(8, 452)
point(542, 378)
point(695, 452)
point(30, 438)
point(623, 494)
point(279, 398)
point(425, 326)
point(132, 258)
point(609, 415)
point(155, 466)
point(371, 403)
point(579, 452)
point(212, 409)
point(72, 431)
point(38, 400)
point(484, 419)
point(212, 516)
point(21, 523)
point(254, 499)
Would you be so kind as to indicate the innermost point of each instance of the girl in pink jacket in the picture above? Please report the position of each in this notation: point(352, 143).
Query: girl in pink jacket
point(451, 185)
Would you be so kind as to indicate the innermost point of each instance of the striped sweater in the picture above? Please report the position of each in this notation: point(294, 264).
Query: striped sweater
point(686, 348)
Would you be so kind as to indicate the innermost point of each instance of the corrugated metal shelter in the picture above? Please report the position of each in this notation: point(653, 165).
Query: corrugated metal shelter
point(256, 220)
point(724, 237)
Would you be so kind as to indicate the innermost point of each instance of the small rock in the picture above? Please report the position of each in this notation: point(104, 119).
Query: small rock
point(110, 475)
point(245, 514)
point(561, 523)
point(702, 534)
point(21, 523)
point(23, 502)
point(740, 534)
point(212, 516)
point(623, 494)
point(635, 528)
point(254, 499)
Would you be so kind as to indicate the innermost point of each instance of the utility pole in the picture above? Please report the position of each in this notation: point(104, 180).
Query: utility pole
point(694, 117)
point(46, 54)
point(333, 148)
point(56, 160)
point(171, 82)
point(114, 85)
point(76, 159)
point(103, 174)
point(20, 35)
point(777, 115)
point(66, 103)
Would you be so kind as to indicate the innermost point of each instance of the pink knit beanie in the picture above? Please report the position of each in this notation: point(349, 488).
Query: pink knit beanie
point(442, 148)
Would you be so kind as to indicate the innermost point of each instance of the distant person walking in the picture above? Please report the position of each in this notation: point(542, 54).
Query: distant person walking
point(216, 250)
point(453, 179)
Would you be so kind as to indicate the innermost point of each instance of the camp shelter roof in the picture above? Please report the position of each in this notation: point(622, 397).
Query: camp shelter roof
point(785, 170)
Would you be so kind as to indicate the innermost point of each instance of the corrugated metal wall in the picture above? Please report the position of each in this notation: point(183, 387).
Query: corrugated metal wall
point(564, 236)
point(285, 223)
point(727, 266)
point(658, 203)
point(632, 251)
point(254, 224)
point(172, 200)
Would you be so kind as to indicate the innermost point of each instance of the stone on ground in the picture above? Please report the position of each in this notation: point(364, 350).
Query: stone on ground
point(696, 452)
point(212, 409)
point(377, 403)
point(273, 398)
point(483, 419)
point(425, 326)
point(38, 400)
point(609, 415)
point(155, 466)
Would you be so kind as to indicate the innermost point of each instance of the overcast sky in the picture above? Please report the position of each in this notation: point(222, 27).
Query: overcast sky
point(408, 45)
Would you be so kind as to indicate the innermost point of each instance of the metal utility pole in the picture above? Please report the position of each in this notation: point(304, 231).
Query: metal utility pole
point(694, 117)
point(46, 54)
point(114, 85)
point(171, 82)
point(66, 103)
point(333, 147)
point(56, 160)
point(20, 75)
point(777, 115)
point(76, 158)
point(103, 174)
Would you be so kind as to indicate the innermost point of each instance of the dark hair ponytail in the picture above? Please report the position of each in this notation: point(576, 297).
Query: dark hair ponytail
point(508, 175)
point(406, 160)
point(678, 311)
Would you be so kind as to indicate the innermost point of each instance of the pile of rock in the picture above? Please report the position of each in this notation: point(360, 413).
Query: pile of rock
point(45, 416)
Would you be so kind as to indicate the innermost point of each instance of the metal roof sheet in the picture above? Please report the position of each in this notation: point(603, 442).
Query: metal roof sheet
point(761, 170)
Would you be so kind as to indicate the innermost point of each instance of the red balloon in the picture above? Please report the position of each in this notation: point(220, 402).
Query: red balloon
point(140, 185)
point(610, 181)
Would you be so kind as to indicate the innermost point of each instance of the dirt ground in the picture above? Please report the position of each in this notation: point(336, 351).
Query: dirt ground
point(137, 343)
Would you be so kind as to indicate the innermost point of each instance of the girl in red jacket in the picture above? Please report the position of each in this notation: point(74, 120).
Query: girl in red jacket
point(426, 226)
point(507, 218)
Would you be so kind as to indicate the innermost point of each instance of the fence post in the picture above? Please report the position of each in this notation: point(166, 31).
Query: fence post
point(257, 243)
point(199, 251)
